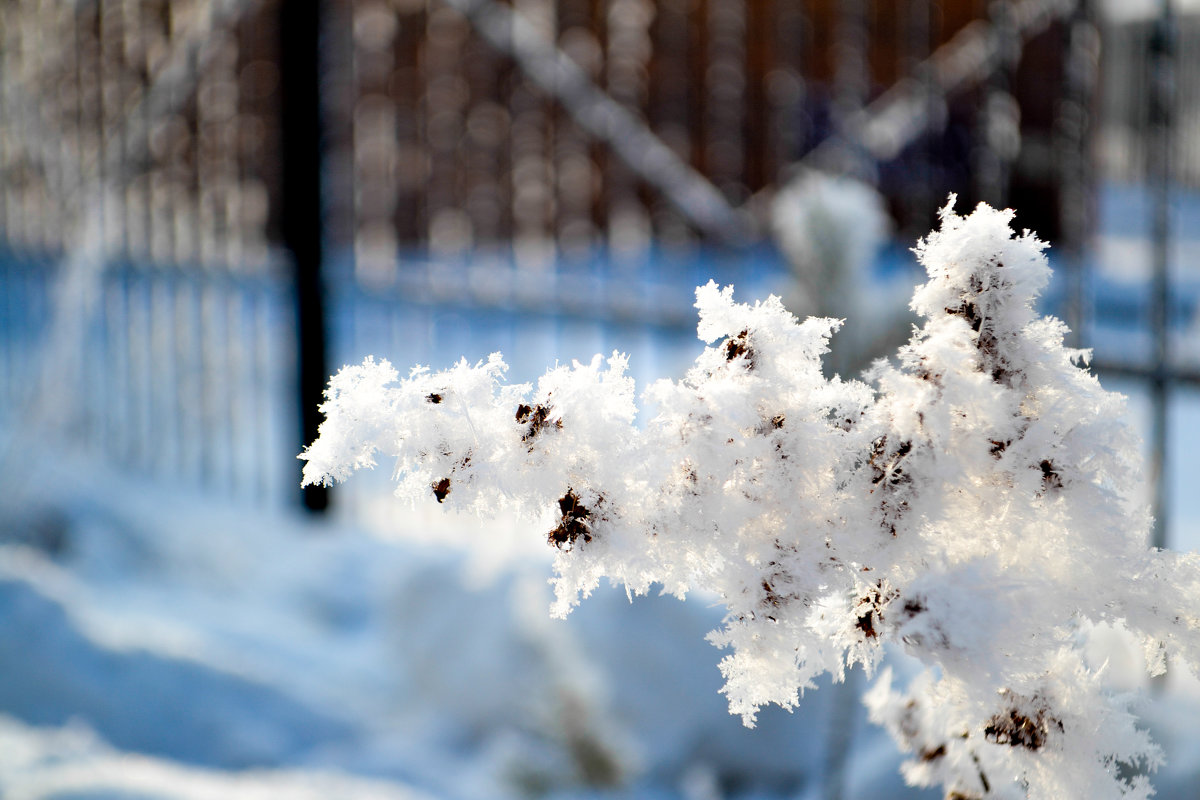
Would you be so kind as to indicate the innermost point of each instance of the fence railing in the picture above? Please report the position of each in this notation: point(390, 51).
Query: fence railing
point(542, 173)
point(183, 375)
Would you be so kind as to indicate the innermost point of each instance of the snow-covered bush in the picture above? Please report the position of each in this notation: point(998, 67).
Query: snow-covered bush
point(976, 506)
point(831, 230)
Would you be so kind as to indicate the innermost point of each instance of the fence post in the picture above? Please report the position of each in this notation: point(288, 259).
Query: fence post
point(301, 217)
point(1071, 144)
point(1162, 95)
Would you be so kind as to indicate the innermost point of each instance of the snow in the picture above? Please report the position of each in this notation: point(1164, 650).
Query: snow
point(976, 504)
point(418, 681)
point(156, 646)
point(72, 761)
point(1125, 11)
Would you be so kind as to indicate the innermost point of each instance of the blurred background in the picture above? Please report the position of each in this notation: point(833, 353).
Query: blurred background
point(208, 206)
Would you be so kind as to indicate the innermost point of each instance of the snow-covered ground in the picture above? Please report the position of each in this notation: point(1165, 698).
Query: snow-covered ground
point(158, 643)
point(153, 645)
point(244, 655)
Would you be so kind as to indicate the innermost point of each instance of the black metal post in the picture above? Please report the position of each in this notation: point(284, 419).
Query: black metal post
point(1162, 91)
point(919, 43)
point(1001, 127)
point(1080, 45)
point(301, 217)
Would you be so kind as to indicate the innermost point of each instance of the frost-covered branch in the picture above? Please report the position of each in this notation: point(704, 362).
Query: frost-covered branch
point(976, 505)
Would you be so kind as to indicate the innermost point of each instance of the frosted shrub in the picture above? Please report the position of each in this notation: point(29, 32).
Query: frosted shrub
point(831, 229)
point(974, 505)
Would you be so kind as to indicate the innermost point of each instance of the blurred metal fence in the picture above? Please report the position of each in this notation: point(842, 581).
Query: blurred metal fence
point(146, 314)
point(565, 168)
point(476, 124)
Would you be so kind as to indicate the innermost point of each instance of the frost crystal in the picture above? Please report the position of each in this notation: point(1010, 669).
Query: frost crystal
point(975, 506)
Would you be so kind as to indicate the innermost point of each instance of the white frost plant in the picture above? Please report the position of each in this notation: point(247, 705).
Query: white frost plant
point(975, 506)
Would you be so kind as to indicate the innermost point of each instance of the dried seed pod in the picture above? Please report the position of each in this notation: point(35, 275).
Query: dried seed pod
point(574, 524)
point(1017, 728)
point(739, 347)
point(870, 608)
point(537, 418)
point(1051, 480)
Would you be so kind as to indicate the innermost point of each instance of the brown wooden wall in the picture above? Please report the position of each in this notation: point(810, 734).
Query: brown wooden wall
point(443, 142)
point(438, 142)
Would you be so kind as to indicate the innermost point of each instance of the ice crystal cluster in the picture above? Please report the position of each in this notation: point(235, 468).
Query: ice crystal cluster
point(975, 504)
